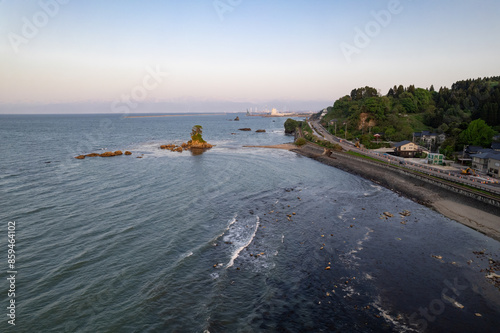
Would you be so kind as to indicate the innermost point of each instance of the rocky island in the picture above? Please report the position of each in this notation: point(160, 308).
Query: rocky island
point(196, 145)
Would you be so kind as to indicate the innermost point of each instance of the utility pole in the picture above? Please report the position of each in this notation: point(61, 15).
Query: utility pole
point(463, 155)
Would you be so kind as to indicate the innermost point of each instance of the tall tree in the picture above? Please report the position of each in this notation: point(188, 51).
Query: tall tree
point(197, 129)
point(478, 133)
point(400, 90)
point(390, 93)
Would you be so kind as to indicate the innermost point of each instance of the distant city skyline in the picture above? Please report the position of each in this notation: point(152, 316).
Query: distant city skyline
point(224, 54)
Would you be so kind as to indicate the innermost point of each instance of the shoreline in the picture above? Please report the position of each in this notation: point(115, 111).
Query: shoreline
point(178, 115)
point(285, 146)
point(477, 215)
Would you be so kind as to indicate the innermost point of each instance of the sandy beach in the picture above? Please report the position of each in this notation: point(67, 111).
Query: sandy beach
point(478, 219)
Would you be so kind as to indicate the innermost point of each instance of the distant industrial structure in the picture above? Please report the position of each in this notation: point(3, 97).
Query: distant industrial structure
point(275, 113)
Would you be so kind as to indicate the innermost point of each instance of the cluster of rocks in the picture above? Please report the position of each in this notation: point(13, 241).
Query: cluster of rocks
point(190, 145)
point(246, 129)
point(172, 148)
point(493, 267)
point(105, 154)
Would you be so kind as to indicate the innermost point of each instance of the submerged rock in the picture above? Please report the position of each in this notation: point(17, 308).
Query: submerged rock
point(244, 129)
point(260, 131)
point(405, 213)
point(105, 154)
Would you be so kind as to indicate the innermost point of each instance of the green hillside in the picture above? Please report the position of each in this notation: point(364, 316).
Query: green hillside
point(404, 110)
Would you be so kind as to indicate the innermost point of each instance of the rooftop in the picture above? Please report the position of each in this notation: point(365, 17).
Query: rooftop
point(402, 143)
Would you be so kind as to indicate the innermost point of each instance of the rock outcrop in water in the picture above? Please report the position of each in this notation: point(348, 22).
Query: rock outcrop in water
point(105, 154)
point(196, 145)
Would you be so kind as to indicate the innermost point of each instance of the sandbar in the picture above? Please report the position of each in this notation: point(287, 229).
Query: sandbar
point(178, 115)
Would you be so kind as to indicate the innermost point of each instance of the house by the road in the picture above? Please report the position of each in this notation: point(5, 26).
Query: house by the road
point(494, 166)
point(406, 149)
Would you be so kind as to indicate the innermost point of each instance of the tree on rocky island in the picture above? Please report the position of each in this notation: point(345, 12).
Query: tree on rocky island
point(196, 132)
point(197, 145)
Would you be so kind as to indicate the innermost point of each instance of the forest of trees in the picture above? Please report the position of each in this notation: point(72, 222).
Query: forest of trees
point(404, 110)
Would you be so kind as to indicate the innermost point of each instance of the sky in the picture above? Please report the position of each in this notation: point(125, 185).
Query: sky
point(228, 55)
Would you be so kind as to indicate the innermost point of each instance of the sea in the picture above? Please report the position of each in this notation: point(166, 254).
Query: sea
point(236, 239)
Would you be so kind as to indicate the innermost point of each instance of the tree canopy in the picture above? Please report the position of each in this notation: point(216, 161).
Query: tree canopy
point(196, 132)
point(405, 110)
point(478, 133)
point(197, 129)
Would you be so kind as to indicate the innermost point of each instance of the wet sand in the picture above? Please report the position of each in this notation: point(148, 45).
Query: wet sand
point(480, 220)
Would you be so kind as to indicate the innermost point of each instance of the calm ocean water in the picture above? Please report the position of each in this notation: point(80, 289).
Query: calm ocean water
point(234, 240)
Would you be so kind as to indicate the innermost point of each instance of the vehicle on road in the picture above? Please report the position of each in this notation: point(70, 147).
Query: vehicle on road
point(468, 171)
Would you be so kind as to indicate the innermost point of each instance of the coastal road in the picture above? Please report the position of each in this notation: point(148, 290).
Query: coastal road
point(401, 162)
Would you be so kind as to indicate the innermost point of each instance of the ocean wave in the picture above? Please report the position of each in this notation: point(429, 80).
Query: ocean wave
point(238, 250)
point(231, 222)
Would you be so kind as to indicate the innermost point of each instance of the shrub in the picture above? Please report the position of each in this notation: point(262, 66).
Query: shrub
point(300, 141)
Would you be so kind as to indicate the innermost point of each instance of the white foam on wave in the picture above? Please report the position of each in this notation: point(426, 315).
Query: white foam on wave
point(391, 319)
point(368, 276)
point(238, 250)
point(349, 257)
point(231, 222)
point(187, 254)
point(349, 291)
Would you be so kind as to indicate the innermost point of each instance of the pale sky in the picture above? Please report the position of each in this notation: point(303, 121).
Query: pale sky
point(240, 51)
